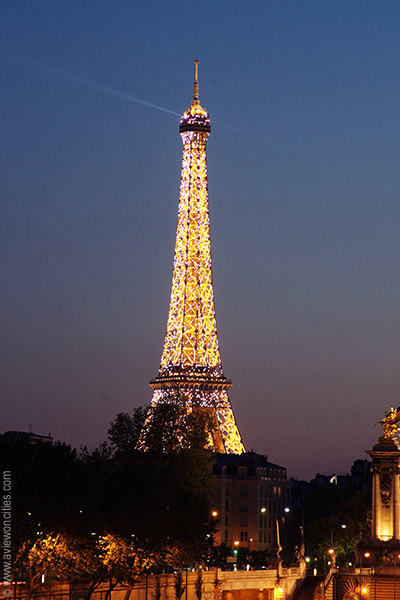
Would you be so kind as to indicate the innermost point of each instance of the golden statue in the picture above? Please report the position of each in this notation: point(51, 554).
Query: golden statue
point(389, 423)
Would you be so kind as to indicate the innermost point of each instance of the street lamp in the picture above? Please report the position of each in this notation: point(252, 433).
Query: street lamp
point(235, 551)
point(363, 590)
point(214, 514)
point(332, 554)
point(263, 523)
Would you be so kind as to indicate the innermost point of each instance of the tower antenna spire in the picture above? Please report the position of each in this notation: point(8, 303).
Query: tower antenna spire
point(196, 83)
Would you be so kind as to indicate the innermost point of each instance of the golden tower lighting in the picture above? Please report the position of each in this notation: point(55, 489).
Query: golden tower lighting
point(191, 371)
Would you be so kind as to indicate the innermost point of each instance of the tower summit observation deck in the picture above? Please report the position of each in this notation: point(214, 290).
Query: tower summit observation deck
point(190, 372)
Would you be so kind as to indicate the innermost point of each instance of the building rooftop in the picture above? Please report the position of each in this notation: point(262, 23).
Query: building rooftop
point(251, 460)
point(28, 436)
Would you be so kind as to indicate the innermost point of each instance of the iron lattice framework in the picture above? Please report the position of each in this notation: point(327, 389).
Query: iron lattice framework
point(191, 371)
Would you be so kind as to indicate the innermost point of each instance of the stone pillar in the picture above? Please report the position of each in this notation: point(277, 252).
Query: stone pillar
point(375, 501)
point(396, 504)
point(385, 498)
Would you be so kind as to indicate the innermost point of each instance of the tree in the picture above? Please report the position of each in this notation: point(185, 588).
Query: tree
point(198, 586)
point(109, 559)
point(261, 558)
point(178, 585)
point(123, 562)
point(334, 518)
point(157, 588)
point(48, 494)
point(49, 555)
point(112, 513)
point(162, 495)
point(124, 431)
point(172, 427)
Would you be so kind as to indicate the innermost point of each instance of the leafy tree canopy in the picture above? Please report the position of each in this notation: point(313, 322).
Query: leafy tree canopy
point(124, 431)
point(335, 519)
point(147, 507)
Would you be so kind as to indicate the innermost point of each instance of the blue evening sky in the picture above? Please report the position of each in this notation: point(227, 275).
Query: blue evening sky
point(304, 186)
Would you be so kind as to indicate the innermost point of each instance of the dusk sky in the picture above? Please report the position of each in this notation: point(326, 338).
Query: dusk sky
point(304, 181)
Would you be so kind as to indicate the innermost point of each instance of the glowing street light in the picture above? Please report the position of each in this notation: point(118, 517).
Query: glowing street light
point(278, 591)
point(332, 554)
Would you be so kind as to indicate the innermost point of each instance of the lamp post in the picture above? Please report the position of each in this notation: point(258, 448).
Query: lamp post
point(303, 542)
point(263, 510)
point(214, 514)
point(362, 591)
point(248, 556)
point(235, 552)
point(332, 554)
point(284, 526)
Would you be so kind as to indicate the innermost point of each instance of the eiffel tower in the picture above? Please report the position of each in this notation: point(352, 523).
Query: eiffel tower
point(191, 370)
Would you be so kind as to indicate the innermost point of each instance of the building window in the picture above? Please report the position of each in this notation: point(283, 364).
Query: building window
point(243, 536)
point(227, 504)
point(242, 471)
point(226, 520)
point(244, 490)
point(244, 520)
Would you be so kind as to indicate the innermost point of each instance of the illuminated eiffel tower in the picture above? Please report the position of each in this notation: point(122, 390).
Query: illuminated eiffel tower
point(191, 371)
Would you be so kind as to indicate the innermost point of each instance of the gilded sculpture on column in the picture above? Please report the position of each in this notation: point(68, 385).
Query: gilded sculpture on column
point(389, 424)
